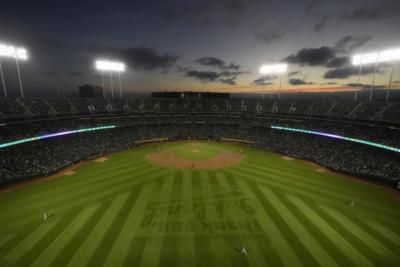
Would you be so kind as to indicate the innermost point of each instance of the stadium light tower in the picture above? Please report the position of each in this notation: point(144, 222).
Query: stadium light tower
point(105, 65)
point(3, 82)
point(18, 53)
point(271, 69)
point(390, 55)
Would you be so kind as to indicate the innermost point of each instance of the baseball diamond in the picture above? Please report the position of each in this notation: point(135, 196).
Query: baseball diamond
point(139, 208)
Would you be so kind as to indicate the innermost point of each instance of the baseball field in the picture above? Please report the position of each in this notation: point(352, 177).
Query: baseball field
point(199, 204)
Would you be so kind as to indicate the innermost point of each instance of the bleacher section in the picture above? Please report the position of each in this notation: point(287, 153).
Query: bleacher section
point(15, 108)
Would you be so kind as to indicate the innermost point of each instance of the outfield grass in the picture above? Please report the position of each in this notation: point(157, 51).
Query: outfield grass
point(127, 211)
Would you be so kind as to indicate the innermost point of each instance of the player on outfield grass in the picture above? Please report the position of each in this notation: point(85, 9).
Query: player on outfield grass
point(243, 251)
point(351, 203)
point(45, 216)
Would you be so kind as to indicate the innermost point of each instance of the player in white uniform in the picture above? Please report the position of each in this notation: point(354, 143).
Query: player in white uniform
point(243, 251)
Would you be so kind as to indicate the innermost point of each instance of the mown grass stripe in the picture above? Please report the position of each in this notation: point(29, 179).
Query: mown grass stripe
point(247, 238)
point(285, 230)
point(153, 244)
point(5, 238)
point(361, 221)
point(207, 179)
point(232, 244)
point(371, 196)
point(169, 250)
point(339, 242)
point(265, 254)
point(203, 251)
point(68, 183)
point(169, 253)
point(185, 246)
point(30, 241)
point(64, 256)
point(61, 223)
point(17, 238)
point(269, 224)
point(282, 177)
point(126, 177)
point(309, 242)
point(59, 243)
point(387, 232)
point(135, 254)
point(106, 243)
point(364, 236)
point(305, 192)
point(94, 193)
point(86, 250)
point(72, 183)
point(119, 248)
point(315, 232)
point(139, 239)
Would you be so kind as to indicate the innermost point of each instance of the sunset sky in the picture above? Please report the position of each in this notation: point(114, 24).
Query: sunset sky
point(208, 45)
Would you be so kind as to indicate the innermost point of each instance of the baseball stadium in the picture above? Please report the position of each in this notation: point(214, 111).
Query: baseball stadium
point(200, 133)
point(196, 182)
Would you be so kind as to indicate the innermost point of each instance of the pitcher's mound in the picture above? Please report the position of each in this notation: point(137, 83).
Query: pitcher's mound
point(224, 159)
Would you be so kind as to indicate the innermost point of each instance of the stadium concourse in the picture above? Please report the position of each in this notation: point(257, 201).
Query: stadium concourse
point(248, 118)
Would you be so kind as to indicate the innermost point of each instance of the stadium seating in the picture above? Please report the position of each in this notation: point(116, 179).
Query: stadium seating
point(237, 118)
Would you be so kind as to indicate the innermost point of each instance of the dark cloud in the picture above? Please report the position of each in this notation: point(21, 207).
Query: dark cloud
point(297, 82)
point(227, 77)
point(356, 85)
point(312, 56)
point(321, 23)
point(330, 83)
point(348, 71)
point(183, 69)
point(230, 81)
point(349, 43)
point(330, 57)
point(217, 63)
point(364, 13)
point(75, 74)
point(141, 58)
point(269, 37)
point(262, 81)
point(338, 62)
point(385, 9)
point(204, 76)
point(294, 73)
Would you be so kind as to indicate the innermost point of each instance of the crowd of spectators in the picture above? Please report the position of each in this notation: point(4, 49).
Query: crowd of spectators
point(44, 157)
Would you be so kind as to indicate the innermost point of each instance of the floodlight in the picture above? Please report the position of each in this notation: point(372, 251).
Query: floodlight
point(377, 57)
point(357, 60)
point(387, 55)
point(396, 54)
point(105, 65)
point(370, 58)
point(13, 52)
point(273, 69)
